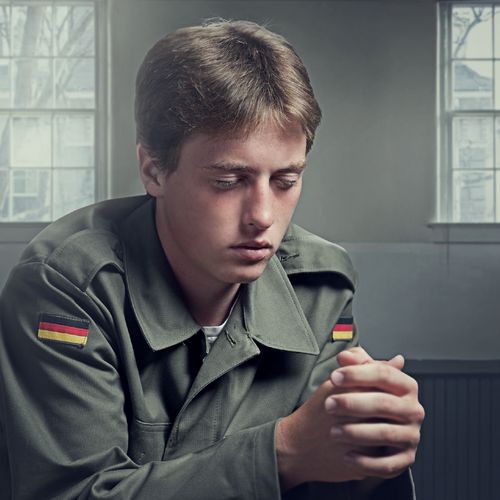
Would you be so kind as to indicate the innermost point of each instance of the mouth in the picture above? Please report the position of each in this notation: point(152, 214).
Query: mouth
point(253, 251)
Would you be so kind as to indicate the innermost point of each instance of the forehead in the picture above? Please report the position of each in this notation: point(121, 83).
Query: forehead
point(268, 144)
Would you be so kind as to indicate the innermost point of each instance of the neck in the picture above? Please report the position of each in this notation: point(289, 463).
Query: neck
point(210, 307)
point(209, 301)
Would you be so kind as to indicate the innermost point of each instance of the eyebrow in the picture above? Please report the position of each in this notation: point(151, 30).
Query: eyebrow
point(294, 168)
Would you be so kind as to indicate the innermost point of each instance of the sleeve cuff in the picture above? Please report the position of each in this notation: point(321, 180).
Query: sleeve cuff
point(265, 465)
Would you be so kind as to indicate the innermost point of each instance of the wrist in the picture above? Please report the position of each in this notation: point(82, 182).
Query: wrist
point(286, 457)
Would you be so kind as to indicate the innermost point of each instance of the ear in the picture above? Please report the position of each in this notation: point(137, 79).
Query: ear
point(151, 175)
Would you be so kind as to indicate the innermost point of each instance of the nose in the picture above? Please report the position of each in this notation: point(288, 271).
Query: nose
point(259, 210)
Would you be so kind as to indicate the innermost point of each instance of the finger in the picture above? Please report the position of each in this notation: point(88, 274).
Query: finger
point(353, 356)
point(370, 405)
point(378, 376)
point(358, 356)
point(394, 436)
point(397, 362)
point(381, 466)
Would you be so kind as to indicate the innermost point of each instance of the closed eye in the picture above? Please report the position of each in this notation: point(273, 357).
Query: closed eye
point(226, 184)
point(287, 182)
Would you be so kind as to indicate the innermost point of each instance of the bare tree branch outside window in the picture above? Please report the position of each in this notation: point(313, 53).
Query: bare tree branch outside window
point(49, 60)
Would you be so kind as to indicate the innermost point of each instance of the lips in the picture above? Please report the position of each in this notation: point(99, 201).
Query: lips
point(253, 251)
point(254, 244)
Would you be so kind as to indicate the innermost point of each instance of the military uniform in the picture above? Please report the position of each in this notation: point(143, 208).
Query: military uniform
point(104, 391)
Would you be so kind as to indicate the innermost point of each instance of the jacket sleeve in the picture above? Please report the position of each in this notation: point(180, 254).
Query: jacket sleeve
point(63, 426)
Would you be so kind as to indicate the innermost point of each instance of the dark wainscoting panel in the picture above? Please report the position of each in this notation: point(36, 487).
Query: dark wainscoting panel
point(459, 454)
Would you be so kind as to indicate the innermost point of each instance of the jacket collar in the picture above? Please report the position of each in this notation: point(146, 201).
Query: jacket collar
point(272, 315)
point(157, 300)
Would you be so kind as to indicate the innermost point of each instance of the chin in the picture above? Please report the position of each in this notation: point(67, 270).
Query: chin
point(247, 275)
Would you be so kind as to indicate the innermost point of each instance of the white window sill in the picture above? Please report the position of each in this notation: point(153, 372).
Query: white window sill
point(458, 232)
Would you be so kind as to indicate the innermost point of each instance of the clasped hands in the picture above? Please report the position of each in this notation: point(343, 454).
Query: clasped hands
point(364, 422)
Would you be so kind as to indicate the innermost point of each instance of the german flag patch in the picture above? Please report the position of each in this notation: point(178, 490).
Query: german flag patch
point(344, 329)
point(72, 331)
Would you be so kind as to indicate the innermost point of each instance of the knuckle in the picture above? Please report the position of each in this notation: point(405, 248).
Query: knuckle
point(415, 440)
point(413, 385)
point(386, 405)
point(418, 414)
point(384, 371)
point(407, 459)
point(389, 469)
point(345, 404)
point(421, 413)
point(389, 434)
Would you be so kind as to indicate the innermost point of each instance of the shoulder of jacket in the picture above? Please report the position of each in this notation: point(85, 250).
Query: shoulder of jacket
point(81, 243)
point(304, 252)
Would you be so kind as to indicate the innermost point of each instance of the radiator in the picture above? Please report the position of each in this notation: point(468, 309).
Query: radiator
point(459, 454)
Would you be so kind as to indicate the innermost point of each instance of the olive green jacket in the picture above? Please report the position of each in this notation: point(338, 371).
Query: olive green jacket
point(135, 413)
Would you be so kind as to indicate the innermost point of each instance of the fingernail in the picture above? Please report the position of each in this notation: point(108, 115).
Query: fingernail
point(337, 378)
point(330, 405)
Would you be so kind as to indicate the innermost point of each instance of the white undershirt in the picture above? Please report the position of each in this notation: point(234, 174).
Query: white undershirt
point(212, 332)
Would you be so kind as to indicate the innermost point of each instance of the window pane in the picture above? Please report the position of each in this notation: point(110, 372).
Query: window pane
point(497, 148)
point(74, 140)
point(472, 85)
point(4, 31)
point(74, 31)
point(497, 31)
point(473, 142)
point(4, 83)
point(31, 141)
point(4, 195)
point(497, 82)
point(32, 30)
point(75, 83)
point(32, 83)
point(473, 196)
point(498, 197)
point(30, 195)
point(4, 140)
point(472, 32)
point(72, 189)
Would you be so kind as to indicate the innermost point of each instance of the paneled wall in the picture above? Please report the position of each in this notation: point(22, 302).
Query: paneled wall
point(459, 455)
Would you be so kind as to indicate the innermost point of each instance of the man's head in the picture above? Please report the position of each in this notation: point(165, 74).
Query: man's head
point(227, 77)
point(225, 117)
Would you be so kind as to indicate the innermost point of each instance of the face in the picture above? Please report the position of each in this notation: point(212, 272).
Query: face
point(223, 212)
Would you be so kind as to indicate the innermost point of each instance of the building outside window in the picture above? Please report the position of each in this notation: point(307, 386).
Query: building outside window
point(51, 101)
point(469, 112)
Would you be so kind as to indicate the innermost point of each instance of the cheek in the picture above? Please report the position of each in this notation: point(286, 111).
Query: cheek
point(206, 217)
point(288, 204)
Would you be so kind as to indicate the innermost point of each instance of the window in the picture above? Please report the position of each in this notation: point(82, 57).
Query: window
point(469, 121)
point(50, 93)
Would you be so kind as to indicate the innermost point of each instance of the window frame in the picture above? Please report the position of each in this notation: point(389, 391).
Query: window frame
point(444, 229)
point(22, 232)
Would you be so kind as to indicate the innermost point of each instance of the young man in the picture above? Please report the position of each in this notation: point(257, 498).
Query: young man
point(193, 343)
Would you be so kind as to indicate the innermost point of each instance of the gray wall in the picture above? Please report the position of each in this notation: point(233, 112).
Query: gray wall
point(372, 65)
point(371, 178)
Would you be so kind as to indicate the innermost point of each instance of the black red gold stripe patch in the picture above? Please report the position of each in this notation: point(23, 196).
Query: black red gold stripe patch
point(343, 330)
point(61, 329)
